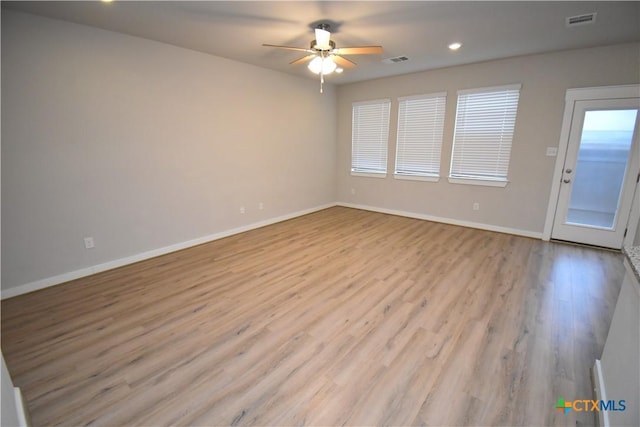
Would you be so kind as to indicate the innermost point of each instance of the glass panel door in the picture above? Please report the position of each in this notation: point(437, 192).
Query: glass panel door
point(605, 145)
point(599, 173)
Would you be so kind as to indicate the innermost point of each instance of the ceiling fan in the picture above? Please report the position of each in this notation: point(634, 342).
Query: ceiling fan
point(323, 55)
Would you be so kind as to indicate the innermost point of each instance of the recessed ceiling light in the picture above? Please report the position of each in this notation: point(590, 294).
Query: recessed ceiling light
point(339, 70)
point(455, 46)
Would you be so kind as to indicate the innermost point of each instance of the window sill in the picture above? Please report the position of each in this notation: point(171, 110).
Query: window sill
point(478, 181)
point(417, 177)
point(369, 174)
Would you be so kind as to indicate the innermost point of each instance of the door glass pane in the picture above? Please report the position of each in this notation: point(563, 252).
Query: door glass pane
point(598, 175)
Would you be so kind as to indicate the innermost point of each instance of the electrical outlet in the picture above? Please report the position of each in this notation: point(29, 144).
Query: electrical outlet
point(552, 151)
point(89, 243)
point(242, 209)
point(476, 206)
point(353, 191)
point(261, 206)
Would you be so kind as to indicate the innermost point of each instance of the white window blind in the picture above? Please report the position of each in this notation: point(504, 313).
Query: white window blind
point(370, 137)
point(420, 126)
point(485, 121)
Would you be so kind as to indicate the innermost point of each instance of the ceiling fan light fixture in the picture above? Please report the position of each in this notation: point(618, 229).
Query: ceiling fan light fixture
point(322, 55)
point(324, 65)
point(323, 38)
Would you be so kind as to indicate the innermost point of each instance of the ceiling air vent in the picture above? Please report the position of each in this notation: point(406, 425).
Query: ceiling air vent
point(395, 60)
point(587, 18)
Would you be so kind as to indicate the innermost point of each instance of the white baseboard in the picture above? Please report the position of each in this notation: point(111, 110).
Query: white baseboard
point(77, 274)
point(21, 408)
point(601, 393)
point(478, 225)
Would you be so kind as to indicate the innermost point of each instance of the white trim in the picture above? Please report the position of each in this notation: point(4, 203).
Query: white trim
point(567, 119)
point(83, 272)
point(601, 393)
point(603, 92)
point(72, 275)
point(634, 218)
point(573, 95)
point(372, 101)
point(451, 221)
point(21, 408)
point(369, 174)
point(516, 86)
point(426, 95)
point(478, 181)
point(430, 178)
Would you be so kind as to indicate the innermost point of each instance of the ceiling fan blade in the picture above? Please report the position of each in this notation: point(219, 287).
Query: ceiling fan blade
point(298, 49)
point(301, 60)
point(359, 50)
point(343, 62)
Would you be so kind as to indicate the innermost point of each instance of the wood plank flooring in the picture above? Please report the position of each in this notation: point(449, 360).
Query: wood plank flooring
point(338, 317)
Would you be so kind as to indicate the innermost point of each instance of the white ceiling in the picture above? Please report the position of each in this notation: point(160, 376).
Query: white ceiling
point(417, 29)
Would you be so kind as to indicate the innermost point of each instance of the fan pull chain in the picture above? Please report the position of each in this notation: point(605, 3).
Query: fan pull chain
point(322, 71)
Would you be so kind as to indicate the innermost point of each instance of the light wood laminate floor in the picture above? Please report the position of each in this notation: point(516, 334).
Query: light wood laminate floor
point(338, 317)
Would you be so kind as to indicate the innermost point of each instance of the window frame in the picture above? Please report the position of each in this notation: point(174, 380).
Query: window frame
point(486, 180)
point(385, 104)
point(437, 117)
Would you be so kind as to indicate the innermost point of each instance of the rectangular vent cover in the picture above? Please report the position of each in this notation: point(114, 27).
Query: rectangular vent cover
point(395, 60)
point(587, 18)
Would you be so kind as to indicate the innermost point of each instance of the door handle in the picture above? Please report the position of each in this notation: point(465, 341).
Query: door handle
point(568, 171)
point(566, 180)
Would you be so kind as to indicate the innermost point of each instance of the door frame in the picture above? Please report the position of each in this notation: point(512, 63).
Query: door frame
point(586, 94)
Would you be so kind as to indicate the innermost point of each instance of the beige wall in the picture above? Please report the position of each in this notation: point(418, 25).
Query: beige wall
point(144, 145)
point(522, 204)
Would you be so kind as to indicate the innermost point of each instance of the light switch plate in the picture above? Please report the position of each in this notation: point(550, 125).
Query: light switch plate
point(552, 151)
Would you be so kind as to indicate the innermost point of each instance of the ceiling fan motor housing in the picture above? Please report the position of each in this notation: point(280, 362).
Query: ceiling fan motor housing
point(314, 44)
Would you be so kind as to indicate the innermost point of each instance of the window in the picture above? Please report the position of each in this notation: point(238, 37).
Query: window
point(370, 137)
point(420, 125)
point(485, 121)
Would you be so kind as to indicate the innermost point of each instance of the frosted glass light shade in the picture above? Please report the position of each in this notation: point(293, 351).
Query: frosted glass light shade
point(322, 39)
point(326, 65)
